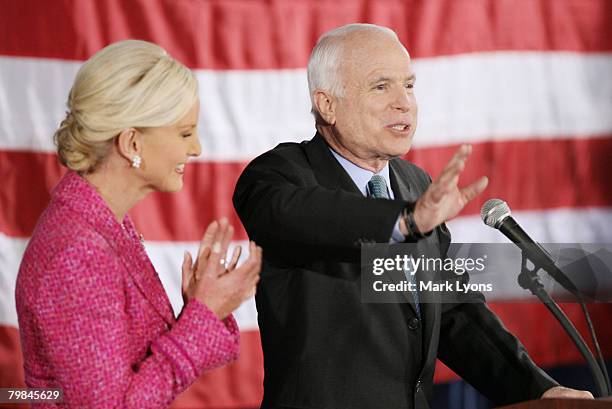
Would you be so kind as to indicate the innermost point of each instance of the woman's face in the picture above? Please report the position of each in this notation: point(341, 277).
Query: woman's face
point(166, 150)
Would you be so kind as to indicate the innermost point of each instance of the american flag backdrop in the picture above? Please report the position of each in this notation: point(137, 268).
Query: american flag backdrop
point(527, 82)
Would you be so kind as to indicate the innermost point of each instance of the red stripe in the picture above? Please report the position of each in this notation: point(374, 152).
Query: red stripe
point(533, 174)
point(542, 335)
point(528, 174)
point(260, 34)
point(29, 177)
point(556, 347)
point(11, 361)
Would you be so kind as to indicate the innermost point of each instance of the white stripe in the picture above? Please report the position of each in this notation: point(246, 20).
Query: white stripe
point(167, 258)
point(586, 225)
point(553, 226)
point(11, 251)
point(465, 98)
point(513, 95)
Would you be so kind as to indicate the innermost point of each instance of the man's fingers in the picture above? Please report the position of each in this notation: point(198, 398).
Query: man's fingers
point(464, 151)
point(563, 392)
point(449, 178)
point(460, 155)
point(438, 192)
point(456, 165)
point(471, 191)
point(449, 182)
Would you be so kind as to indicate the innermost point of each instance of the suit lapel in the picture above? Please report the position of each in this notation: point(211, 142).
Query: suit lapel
point(430, 310)
point(328, 171)
point(399, 182)
point(401, 190)
point(143, 273)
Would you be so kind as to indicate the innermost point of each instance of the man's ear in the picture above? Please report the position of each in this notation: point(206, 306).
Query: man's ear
point(325, 104)
point(129, 143)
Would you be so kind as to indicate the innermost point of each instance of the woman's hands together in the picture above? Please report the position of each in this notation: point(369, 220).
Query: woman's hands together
point(215, 281)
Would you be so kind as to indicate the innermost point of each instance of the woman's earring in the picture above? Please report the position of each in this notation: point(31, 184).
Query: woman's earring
point(136, 161)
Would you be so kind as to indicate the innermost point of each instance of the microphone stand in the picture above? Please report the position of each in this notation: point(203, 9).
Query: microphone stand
point(529, 280)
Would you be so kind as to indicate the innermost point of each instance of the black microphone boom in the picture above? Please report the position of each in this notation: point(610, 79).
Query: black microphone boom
point(496, 213)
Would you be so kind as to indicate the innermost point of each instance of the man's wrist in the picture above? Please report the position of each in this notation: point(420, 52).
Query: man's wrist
point(412, 228)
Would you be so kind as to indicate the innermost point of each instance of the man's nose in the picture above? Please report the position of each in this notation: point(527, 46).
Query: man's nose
point(403, 99)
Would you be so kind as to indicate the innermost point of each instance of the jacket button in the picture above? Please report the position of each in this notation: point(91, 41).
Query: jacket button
point(418, 387)
point(413, 323)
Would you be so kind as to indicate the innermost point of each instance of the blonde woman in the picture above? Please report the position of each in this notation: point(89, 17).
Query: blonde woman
point(94, 318)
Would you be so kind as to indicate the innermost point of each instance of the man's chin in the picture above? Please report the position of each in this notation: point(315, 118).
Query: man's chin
point(400, 150)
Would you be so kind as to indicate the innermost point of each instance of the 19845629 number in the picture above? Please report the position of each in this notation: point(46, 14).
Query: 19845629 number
point(15, 395)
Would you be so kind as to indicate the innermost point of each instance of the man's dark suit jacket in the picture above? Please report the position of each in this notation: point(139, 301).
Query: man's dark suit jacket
point(323, 347)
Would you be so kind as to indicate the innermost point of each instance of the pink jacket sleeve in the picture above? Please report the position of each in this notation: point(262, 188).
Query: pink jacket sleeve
point(81, 314)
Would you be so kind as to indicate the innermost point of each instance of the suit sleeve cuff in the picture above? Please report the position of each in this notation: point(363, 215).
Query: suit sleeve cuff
point(397, 236)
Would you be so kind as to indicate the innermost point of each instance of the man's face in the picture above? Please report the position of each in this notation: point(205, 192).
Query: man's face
point(377, 115)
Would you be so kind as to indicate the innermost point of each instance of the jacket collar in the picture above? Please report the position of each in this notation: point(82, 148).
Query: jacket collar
point(332, 175)
point(82, 198)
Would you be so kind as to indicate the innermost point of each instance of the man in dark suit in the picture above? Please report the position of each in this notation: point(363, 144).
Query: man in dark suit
point(307, 205)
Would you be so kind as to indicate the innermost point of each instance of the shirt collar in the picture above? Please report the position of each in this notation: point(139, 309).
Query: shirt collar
point(361, 176)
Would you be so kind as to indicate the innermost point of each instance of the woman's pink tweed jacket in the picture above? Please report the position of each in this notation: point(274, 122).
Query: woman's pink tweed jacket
point(94, 318)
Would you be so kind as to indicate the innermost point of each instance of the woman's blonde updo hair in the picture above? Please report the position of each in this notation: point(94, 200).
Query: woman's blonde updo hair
point(128, 84)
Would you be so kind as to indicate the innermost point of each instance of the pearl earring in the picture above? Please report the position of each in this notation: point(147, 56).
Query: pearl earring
point(136, 161)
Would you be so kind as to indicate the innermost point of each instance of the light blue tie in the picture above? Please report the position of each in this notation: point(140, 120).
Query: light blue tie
point(377, 188)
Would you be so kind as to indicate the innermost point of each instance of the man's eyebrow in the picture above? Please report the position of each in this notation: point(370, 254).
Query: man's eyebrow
point(386, 79)
point(379, 79)
point(187, 126)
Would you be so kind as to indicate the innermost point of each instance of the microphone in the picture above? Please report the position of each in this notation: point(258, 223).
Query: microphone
point(496, 214)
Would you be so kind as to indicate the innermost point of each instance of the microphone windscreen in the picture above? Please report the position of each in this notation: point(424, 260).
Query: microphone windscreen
point(494, 211)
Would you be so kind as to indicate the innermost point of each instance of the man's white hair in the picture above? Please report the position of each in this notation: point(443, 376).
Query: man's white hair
point(323, 73)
